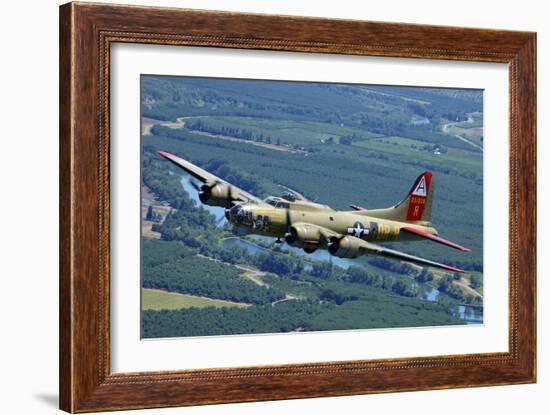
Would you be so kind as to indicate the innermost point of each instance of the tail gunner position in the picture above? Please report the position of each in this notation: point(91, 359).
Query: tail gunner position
point(311, 226)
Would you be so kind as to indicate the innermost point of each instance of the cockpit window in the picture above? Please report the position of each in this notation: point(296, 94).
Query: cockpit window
point(282, 205)
point(277, 203)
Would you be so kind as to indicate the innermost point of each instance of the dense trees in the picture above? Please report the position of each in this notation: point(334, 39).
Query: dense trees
point(238, 176)
point(392, 265)
point(424, 276)
point(284, 317)
point(242, 133)
point(180, 270)
point(280, 264)
point(446, 285)
point(174, 266)
point(360, 275)
point(404, 287)
point(476, 281)
point(167, 187)
point(378, 109)
point(153, 216)
point(374, 312)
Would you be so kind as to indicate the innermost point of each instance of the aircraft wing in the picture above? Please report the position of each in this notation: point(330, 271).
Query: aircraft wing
point(373, 249)
point(206, 177)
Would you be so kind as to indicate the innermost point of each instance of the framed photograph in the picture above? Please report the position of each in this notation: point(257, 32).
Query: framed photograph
point(258, 207)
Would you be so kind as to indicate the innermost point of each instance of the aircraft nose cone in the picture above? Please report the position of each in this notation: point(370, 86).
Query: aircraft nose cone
point(235, 213)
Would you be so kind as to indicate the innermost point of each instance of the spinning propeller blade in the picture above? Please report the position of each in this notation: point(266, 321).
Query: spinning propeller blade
point(195, 185)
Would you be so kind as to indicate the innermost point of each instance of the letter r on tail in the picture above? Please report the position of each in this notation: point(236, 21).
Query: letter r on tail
point(418, 196)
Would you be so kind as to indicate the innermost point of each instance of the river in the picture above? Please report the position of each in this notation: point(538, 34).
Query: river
point(319, 255)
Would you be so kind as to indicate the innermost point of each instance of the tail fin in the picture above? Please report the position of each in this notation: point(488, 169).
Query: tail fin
point(418, 202)
point(415, 207)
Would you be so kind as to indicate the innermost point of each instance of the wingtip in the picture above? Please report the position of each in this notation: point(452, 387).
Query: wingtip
point(453, 269)
point(463, 249)
point(165, 154)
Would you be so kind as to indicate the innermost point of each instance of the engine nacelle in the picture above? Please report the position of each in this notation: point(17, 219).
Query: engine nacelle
point(304, 236)
point(215, 194)
point(345, 248)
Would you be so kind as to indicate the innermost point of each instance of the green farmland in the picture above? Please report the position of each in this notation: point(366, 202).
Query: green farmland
point(163, 300)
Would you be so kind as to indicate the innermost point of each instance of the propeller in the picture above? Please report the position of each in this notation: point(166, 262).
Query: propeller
point(333, 243)
point(288, 225)
point(195, 185)
point(229, 200)
point(204, 190)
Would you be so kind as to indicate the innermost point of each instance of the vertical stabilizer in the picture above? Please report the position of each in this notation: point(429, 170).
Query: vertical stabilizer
point(415, 207)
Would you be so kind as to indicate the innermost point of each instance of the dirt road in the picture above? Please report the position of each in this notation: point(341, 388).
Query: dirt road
point(446, 127)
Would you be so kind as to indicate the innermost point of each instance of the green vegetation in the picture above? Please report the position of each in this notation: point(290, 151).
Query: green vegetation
point(210, 321)
point(446, 285)
point(335, 144)
point(476, 281)
point(374, 109)
point(450, 160)
point(322, 296)
point(281, 132)
point(425, 276)
point(198, 276)
point(377, 312)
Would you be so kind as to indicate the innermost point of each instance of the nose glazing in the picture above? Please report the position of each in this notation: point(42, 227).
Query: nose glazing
point(236, 213)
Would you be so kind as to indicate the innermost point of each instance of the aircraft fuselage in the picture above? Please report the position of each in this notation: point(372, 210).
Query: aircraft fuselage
point(276, 221)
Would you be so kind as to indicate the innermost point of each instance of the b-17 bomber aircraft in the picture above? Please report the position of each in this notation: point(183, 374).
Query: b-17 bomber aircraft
point(311, 226)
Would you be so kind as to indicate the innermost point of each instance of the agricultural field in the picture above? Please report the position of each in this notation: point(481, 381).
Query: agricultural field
point(337, 145)
point(164, 300)
point(281, 132)
point(401, 146)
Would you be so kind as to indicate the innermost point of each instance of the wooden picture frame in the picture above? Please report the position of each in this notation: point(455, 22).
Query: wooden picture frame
point(86, 33)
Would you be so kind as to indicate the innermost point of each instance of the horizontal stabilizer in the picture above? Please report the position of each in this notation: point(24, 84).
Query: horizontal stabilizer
point(434, 238)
